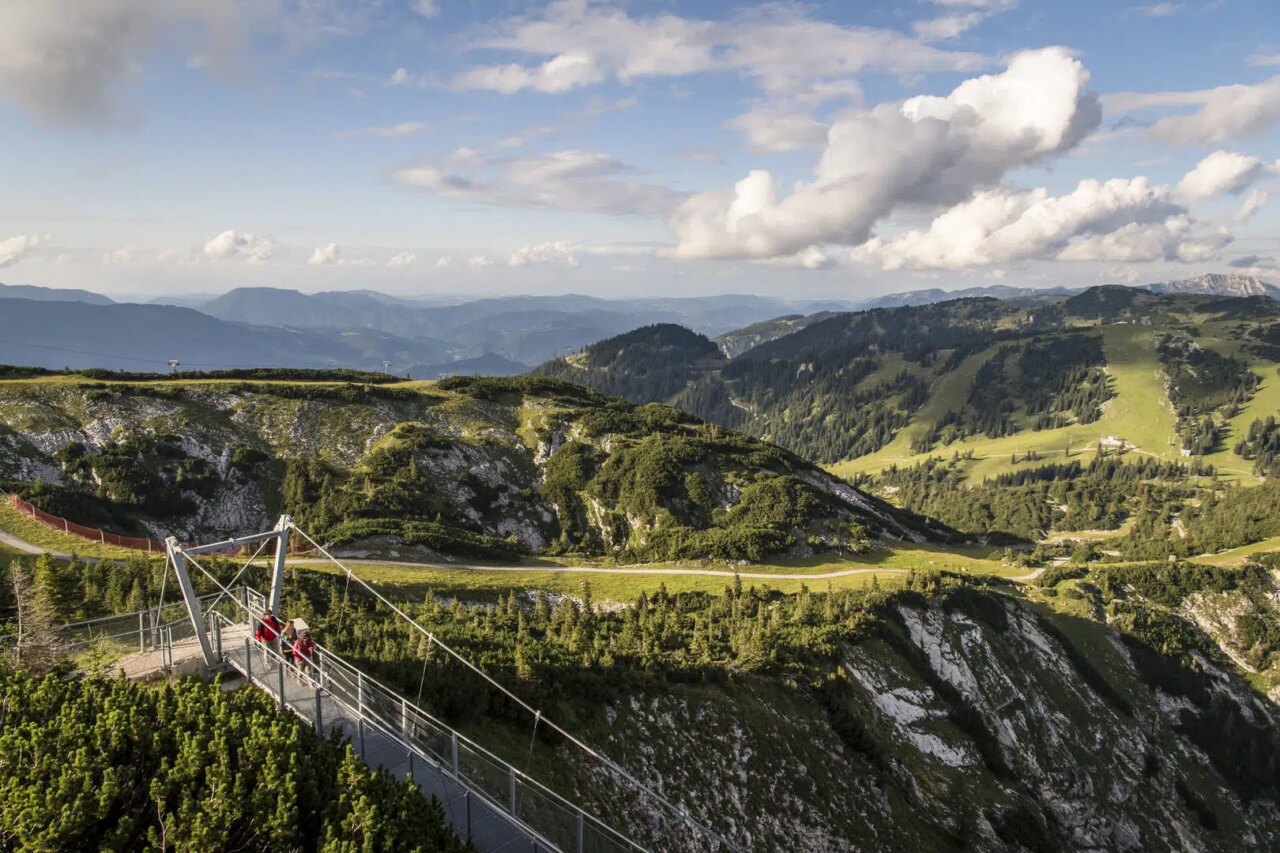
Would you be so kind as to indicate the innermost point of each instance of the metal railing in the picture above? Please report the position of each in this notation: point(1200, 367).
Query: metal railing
point(555, 822)
point(149, 629)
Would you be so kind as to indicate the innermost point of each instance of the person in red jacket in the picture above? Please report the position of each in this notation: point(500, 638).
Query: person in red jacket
point(267, 632)
point(303, 649)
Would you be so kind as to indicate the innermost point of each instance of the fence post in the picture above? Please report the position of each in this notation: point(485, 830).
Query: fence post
point(360, 729)
point(454, 737)
point(280, 667)
point(319, 713)
point(511, 774)
point(404, 718)
point(248, 660)
point(142, 633)
point(360, 692)
point(581, 833)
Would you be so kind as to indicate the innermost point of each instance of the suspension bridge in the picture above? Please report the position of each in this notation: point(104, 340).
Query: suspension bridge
point(488, 800)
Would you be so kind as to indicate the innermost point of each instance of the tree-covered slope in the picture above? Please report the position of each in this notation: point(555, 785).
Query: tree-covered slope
point(1007, 380)
point(649, 364)
point(89, 764)
point(466, 466)
point(944, 716)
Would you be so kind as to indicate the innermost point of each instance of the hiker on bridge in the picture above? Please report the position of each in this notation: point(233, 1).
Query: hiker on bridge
point(288, 638)
point(303, 649)
point(267, 633)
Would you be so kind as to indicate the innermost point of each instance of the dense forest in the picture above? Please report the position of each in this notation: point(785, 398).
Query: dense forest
point(94, 763)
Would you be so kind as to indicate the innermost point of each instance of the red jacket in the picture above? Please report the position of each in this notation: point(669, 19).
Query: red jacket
point(303, 648)
point(268, 629)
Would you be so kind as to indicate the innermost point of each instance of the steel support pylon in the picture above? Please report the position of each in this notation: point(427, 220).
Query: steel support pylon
point(177, 556)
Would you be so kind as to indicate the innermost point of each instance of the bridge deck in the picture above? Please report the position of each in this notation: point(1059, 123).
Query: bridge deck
point(472, 816)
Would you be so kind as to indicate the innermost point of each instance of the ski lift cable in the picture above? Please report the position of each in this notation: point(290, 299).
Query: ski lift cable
point(538, 715)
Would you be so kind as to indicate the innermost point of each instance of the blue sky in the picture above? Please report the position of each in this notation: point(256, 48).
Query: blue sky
point(818, 150)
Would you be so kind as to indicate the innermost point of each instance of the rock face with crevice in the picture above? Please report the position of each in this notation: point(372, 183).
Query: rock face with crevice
point(974, 720)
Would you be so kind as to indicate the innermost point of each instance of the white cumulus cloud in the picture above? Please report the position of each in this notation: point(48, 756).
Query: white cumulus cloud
point(234, 244)
point(402, 259)
point(331, 255)
point(925, 150)
point(1119, 220)
point(14, 249)
point(1223, 173)
point(559, 252)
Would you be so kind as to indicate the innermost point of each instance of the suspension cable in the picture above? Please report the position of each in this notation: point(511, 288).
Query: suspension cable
point(538, 715)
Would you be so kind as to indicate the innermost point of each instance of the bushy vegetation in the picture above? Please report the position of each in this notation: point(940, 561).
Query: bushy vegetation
point(274, 374)
point(113, 765)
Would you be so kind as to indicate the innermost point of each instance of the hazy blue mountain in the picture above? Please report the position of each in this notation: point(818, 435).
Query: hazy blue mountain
point(524, 329)
point(143, 337)
point(931, 295)
point(489, 364)
point(51, 294)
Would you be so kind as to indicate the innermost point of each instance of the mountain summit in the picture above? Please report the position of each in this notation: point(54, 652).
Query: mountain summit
point(1218, 284)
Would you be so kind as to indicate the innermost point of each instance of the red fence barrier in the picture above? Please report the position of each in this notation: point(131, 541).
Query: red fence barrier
point(93, 534)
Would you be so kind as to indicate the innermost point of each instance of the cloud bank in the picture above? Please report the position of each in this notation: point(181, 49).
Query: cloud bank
point(926, 150)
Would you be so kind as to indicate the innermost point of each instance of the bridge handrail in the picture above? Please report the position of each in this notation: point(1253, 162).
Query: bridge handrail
point(325, 660)
point(379, 726)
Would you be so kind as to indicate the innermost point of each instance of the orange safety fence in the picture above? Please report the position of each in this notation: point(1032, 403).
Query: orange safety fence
point(93, 534)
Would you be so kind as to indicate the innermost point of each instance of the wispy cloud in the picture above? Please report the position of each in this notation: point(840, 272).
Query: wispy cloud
point(564, 180)
point(389, 131)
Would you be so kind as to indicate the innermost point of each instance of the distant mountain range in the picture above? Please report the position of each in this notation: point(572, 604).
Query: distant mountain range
point(52, 294)
point(1215, 284)
point(264, 326)
point(912, 298)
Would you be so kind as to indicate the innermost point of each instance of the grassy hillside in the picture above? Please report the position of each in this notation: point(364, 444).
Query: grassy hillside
point(1007, 383)
point(935, 408)
point(461, 468)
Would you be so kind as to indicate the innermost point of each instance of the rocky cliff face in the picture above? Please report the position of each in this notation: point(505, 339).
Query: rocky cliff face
point(1218, 284)
point(970, 721)
point(529, 463)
